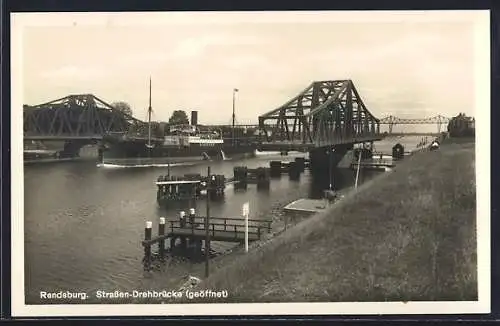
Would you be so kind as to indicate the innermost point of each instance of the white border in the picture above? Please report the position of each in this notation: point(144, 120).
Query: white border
point(482, 92)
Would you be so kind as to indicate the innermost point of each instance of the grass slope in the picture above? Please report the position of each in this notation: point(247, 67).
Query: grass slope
point(405, 236)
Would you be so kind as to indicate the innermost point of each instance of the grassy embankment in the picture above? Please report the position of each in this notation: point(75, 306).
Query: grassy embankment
point(407, 235)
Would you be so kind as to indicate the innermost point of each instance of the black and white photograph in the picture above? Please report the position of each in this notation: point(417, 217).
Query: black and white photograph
point(250, 163)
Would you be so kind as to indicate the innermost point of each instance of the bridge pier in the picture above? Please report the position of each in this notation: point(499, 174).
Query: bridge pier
point(72, 148)
point(100, 152)
point(325, 159)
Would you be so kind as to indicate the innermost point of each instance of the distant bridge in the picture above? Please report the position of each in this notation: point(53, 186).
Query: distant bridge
point(438, 120)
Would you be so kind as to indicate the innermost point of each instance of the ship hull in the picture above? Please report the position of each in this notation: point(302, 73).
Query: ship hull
point(138, 154)
point(148, 161)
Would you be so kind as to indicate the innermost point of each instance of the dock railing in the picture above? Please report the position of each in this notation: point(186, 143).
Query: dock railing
point(222, 224)
point(189, 226)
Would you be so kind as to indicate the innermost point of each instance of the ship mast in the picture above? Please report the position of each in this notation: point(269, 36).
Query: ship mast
point(149, 115)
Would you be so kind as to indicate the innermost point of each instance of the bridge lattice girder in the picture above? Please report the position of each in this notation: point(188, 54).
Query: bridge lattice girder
point(78, 116)
point(325, 113)
point(439, 119)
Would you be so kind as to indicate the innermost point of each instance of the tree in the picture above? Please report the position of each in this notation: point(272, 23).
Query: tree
point(179, 117)
point(123, 107)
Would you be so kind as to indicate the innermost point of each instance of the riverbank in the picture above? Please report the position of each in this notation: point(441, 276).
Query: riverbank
point(404, 236)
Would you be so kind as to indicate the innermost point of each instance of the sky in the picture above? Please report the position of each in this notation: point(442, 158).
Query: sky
point(410, 66)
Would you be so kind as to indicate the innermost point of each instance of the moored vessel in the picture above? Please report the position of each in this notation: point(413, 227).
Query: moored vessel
point(179, 144)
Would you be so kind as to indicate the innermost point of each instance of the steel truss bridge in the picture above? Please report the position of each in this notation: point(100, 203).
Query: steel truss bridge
point(79, 117)
point(326, 113)
point(438, 120)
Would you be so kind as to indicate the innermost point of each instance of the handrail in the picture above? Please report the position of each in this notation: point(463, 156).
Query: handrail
point(201, 226)
point(241, 219)
point(232, 229)
point(198, 224)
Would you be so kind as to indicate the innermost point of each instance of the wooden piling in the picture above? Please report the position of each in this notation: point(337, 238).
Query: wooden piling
point(300, 162)
point(263, 178)
point(192, 216)
point(294, 171)
point(275, 167)
point(182, 221)
point(147, 248)
point(161, 232)
point(240, 173)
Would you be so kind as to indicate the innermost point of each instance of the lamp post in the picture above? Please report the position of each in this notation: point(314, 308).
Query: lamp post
point(235, 90)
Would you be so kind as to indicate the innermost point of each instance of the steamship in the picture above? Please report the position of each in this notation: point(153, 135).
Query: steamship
point(179, 144)
point(183, 144)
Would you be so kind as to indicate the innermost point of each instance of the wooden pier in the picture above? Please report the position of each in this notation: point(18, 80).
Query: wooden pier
point(188, 232)
point(189, 187)
point(244, 176)
point(293, 168)
point(220, 229)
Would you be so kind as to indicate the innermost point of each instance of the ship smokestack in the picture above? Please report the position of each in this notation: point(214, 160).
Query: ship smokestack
point(194, 118)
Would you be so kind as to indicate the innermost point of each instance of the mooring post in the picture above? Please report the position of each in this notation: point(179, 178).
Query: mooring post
point(192, 216)
point(147, 248)
point(182, 219)
point(182, 222)
point(161, 233)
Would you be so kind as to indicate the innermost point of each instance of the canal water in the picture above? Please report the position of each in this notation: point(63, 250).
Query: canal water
point(84, 225)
